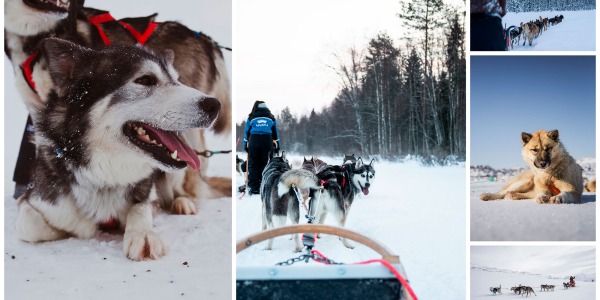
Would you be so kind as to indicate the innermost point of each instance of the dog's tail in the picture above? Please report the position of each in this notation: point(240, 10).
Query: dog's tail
point(302, 179)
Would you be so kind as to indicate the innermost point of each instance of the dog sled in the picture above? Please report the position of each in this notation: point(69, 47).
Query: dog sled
point(383, 278)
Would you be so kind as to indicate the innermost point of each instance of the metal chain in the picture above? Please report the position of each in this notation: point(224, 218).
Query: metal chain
point(306, 257)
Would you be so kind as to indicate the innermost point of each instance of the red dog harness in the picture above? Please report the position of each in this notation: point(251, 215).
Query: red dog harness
point(141, 38)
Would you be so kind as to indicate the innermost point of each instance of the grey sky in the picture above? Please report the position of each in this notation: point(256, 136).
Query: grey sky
point(547, 260)
point(282, 48)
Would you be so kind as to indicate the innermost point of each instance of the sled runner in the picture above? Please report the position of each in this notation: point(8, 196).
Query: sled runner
point(331, 280)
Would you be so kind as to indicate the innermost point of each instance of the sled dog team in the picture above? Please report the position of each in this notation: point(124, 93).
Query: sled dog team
point(529, 30)
point(317, 188)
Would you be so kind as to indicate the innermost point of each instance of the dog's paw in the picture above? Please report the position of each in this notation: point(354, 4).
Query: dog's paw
point(556, 199)
point(298, 249)
point(542, 199)
point(183, 206)
point(485, 196)
point(347, 243)
point(511, 196)
point(143, 245)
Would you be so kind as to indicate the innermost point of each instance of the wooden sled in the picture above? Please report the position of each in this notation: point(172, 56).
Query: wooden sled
point(369, 281)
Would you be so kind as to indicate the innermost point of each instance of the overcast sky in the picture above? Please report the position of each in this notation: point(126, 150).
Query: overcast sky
point(282, 48)
point(512, 94)
point(546, 260)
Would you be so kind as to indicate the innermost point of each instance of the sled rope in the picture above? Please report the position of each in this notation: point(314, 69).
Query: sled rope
point(317, 256)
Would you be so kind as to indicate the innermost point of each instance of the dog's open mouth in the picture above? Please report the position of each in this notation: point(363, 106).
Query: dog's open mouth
point(61, 6)
point(164, 146)
point(365, 190)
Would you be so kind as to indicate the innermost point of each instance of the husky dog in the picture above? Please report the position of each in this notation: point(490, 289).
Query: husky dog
point(349, 159)
point(566, 285)
point(198, 61)
point(514, 34)
point(102, 136)
point(526, 290)
point(340, 185)
point(516, 289)
point(280, 200)
point(544, 287)
point(553, 177)
point(496, 290)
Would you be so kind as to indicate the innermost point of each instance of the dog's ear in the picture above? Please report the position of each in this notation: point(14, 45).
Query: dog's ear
point(525, 137)
point(169, 56)
point(553, 135)
point(371, 163)
point(359, 163)
point(66, 60)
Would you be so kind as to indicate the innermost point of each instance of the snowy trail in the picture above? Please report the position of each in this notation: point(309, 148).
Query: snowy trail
point(482, 278)
point(418, 212)
point(75, 269)
point(525, 220)
point(577, 32)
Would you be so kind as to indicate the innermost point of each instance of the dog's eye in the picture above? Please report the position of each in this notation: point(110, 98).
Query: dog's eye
point(548, 149)
point(362, 175)
point(534, 150)
point(371, 176)
point(147, 80)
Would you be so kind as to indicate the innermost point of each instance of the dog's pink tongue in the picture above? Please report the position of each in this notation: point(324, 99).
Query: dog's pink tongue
point(365, 191)
point(173, 143)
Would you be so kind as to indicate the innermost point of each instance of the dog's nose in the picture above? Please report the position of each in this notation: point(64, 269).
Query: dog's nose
point(210, 106)
point(367, 184)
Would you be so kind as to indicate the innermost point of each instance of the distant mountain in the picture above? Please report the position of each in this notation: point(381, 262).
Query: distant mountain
point(578, 277)
point(487, 173)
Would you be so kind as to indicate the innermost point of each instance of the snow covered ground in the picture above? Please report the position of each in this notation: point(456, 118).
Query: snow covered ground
point(198, 261)
point(525, 220)
point(577, 32)
point(418, 212)
point(482, 278)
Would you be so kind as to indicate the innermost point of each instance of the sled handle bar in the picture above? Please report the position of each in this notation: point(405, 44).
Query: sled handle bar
point(376, 246)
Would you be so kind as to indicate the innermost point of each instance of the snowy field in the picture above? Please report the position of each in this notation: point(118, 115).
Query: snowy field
point(577, 31)
point(418, 212)
point(525, 220)
point(482, 278)
point(198, 260)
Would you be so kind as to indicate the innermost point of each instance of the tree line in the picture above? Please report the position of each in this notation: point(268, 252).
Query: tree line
point(393, 101)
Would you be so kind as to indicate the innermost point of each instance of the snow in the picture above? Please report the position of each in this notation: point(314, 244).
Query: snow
point(483, 277)
point(525, 220)
point(577, 32)
point(198, 260)
point(418, 212)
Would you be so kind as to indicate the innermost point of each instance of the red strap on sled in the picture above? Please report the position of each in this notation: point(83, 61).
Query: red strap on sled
point(27, 68)
point(141, 38)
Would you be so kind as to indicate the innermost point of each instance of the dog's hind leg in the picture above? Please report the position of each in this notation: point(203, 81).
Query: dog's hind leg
point(32, 226)
point(277, 221)
point(294, 215)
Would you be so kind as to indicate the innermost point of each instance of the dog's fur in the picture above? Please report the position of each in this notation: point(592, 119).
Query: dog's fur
point(526, 290)
point(199, 63)
point(552, 170)
point(516, 289)
point(566, 285)
point(496, 290)
point(342, 184)
point(590, 186)
point(279, 197)
point(99, 139)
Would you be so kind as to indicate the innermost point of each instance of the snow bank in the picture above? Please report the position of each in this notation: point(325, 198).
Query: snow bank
point(577, 32)
point(418, 212)
point(525, 220)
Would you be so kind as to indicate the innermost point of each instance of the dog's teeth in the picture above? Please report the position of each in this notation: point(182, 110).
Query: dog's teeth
point(140, 131)
point(177, 159)
point(153, 142)
point(174, 154)
point(160, 145)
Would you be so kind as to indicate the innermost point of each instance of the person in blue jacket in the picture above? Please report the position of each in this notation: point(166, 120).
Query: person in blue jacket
point(260, 138)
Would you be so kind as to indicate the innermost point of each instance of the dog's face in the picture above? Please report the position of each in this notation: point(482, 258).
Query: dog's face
point(30, 17)
point(363, 175)
point(120, 102)
point(349, 159)
point(540, 148)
